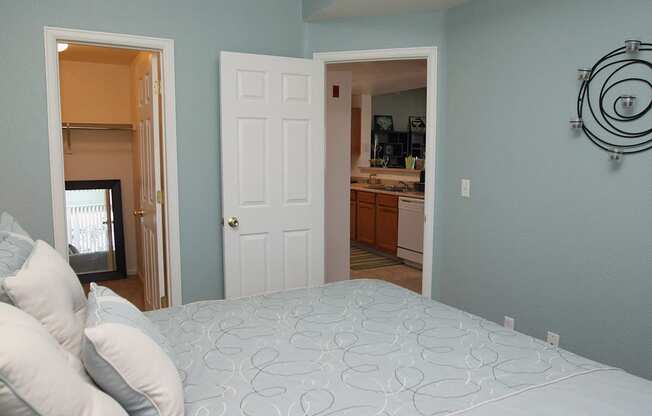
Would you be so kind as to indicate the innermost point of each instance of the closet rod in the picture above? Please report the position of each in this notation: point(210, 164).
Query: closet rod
point(96, 126)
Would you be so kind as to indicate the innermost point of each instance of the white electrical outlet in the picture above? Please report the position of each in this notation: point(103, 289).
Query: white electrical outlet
point(509, 322)
point(465, 190)
point(553, 339)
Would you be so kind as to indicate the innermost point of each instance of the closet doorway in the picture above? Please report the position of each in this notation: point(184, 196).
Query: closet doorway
point(114, 169)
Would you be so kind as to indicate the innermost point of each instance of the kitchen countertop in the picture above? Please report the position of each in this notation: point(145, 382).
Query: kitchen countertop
point(409, 194)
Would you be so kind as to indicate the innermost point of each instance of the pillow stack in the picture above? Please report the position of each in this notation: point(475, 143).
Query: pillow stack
point(47, 288)
point(128, 358)
point(38, 377)
point(54, 339)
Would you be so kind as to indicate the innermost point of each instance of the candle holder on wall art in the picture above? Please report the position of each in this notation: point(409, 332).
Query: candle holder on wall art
point(609, 111)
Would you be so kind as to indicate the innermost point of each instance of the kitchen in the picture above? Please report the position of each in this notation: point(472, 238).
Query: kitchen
point(387, 221)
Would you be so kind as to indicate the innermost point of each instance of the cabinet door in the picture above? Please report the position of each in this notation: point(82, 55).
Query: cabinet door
point(386, 229)
point(366, 220)
point(354, 223)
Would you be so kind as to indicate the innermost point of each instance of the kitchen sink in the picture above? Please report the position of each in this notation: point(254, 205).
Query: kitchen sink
point(395, 188)
point(390, 188)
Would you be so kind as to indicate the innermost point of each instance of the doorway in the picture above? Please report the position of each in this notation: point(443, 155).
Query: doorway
point(274, 183)
point(114, 133)
point(378, 165)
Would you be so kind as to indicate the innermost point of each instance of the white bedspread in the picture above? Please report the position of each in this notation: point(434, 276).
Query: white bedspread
point(366, 347)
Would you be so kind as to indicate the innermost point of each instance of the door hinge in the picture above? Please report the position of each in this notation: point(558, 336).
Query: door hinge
point(164, 302)
point(157, 87)
point(159, 197)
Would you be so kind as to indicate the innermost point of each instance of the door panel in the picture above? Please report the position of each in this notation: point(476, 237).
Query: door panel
point(272, 172)
point(253, 159)
point(297, 259)
point(366, 218)
point(386, 229)
point(255, 274)
point(296, 161)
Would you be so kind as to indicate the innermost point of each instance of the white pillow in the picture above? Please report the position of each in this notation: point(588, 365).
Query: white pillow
point(125, 355)
point(47, 288)
point(38, 377)
point(134, 370)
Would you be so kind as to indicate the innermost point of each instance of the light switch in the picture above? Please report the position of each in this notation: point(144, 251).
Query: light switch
point(466, 188)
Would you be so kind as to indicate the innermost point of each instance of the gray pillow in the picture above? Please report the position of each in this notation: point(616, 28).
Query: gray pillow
point(14, 251)
point(126, 355)
point(107, 307)
point(9, 224)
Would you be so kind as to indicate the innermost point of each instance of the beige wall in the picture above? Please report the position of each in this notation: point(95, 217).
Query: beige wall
point(338, 179)
point(101, 93)
point(363, 102)
point(95, 93)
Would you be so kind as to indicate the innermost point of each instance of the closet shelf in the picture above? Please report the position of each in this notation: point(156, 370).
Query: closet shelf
point(96, 126)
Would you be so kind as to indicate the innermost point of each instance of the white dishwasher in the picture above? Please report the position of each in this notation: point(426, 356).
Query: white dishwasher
point(410, 229)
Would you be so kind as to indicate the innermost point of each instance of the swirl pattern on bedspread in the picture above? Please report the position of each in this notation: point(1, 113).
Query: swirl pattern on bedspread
point(360, 348)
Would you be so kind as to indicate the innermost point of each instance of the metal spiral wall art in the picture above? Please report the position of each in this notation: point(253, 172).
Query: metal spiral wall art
point(617, 123)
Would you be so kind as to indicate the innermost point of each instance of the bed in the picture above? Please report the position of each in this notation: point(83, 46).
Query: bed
point(365, 347)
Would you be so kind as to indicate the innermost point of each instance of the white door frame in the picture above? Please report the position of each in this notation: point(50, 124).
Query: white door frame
point(171, 218)
point(430, 54)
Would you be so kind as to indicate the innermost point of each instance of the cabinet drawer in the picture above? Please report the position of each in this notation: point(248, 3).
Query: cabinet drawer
point(368, 197)
point(387, 200)
point(353, 195)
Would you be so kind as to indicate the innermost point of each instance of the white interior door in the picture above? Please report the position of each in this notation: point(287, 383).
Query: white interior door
point(272, 173)
point(150, 208)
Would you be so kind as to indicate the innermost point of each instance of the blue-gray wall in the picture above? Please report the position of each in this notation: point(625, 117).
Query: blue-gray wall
point(552, 234)
point(401, 105)
point(200, 29)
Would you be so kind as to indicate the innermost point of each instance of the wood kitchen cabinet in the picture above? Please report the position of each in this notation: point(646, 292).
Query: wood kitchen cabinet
point(366, 218)
point(354, 211)
point(376, 220)
point(387, 223)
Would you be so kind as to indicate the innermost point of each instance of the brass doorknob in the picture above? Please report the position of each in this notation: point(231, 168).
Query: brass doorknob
point(139, 213)
point(233, 222)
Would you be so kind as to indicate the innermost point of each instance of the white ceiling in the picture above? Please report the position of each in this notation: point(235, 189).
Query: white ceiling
point(315, 10)
point(376, 78)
